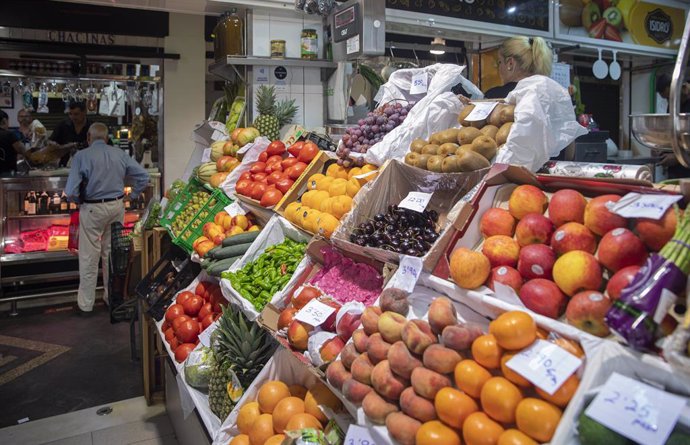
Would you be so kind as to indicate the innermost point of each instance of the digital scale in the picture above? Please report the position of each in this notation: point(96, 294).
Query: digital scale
point(358, 28)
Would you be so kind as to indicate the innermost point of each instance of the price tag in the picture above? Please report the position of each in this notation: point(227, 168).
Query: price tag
point(416, 201)
point(220, 132)
point(481, 111)
point(233, 209)
point(636, 205)
point(636, 410)
point(314, 313)
point(206, 155)
point(245, 148)
point(205, 337)
point(358, 435)
point(545, 364)
point(405, 278)
point(419, 83)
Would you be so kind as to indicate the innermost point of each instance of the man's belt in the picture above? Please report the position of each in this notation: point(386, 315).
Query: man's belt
point(98, 201)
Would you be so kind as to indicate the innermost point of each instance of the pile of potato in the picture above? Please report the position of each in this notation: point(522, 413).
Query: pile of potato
point(465, 149)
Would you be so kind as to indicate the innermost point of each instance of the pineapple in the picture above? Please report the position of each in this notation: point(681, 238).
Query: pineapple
point(240, 347)
point(272, 115)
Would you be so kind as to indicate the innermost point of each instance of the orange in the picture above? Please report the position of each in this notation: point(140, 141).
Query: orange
point(275, 440)
point(284, 410)
point(301, 421)
point(261, 430)
point(514, 330)
point(537, 418)
point(470, 376)
point(298, 391)
point(500, 398)
point(512, 375)
point(241, 439)
point(270, 394)
point(515, 437)
point(453, 406)
point(246, 416)
point(319, 394)
point(326, 225)
point(435, 433)
point(563, 394)
point(314, 180)
point(569, 345)
point(479, 429)
point(486, 352)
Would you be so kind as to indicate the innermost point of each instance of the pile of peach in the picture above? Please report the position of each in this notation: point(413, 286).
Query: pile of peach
point(558, 262)
point(437, 381)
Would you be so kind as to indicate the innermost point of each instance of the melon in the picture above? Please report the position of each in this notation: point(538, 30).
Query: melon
point(205, 172)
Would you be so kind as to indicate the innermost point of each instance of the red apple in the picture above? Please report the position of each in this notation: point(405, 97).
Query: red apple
point(620, 280)
point(586, 311)
point(620, 248)
point(536, 261)
point(501, 250)
point(573, 236)
point(577, 271)
point(305, 295)
point(286, 317)
point(566, 206)
point(505, 275)
point(543, 297)
point(599, 219)
point(497, 221)
point(534, 228)
point(656, 233)
point(527, 199)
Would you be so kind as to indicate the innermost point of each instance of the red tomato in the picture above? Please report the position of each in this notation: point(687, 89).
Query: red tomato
point(182, 351)
point(201, 289)
point(274, 158)
point(295, 148)
point(259, 177)
point(275, 167)
point(173, 312)
point(258, 190)
point(188, 331)
point(276, 148)
point(296, 170)
point(246, 175)
point(271, 198)
point(169, 334)
point(288, 162)
point(206, 309)
point(206, 322)
point(178, 321)
point(165, 326)
point(243, 186)
point(174, 343)
point(308, 152)
point(257, 167)
point(274, 177)
point(263, 156)
point(284, 184)
point(192, 306)
point(183, 296)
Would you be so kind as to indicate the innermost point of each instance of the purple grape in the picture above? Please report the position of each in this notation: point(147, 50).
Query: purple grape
point(366, 128)
point(389, 111)
point(404, 112)
point(394, 116)
point(347, 163)
point(361, 139)
point(369, 120)
point(380, 120)
point(360, 122)
point(375, 128)
point(340, 162)
point(358, 133)
point(346, 153)
point(359, 162)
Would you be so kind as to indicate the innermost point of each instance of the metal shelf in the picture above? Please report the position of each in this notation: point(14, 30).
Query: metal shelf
point(225, 68)
point(66, 215)
point(43, 255)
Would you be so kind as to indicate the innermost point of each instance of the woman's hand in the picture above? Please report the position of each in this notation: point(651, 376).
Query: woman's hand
point(464, 100)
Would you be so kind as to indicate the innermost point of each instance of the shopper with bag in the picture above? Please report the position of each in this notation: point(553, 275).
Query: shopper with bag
point(99, 173)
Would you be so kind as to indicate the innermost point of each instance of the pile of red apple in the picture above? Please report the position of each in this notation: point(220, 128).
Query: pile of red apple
point(276, 170)
point(558, 262)
point(190, 315)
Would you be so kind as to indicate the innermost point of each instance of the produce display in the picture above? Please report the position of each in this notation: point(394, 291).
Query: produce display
point(273, 114)
point(222, 233)
point(182, 219)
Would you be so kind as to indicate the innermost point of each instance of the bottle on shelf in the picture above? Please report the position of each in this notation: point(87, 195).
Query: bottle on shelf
point(234, 34)
point(219, 51)
point(43, 203)
point(25, 207)
point(127, 199)
point(64, 205)
point(73, 206)
point(142, 201)
point(55, 208)
point(31, 209)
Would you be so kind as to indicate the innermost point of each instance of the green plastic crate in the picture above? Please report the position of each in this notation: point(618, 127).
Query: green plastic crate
point(216, 203)
point(175, 206)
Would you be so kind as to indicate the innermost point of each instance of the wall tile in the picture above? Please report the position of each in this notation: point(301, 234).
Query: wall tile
point(313, 111)
point(312, 81)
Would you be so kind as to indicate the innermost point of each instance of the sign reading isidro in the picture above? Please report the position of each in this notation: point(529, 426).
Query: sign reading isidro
point(658, 26)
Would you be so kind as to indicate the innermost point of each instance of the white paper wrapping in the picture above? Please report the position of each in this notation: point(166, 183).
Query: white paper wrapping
point(598, 171)
point(250, 156)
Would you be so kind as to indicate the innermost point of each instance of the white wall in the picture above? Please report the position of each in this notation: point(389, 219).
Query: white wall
point(184, 91)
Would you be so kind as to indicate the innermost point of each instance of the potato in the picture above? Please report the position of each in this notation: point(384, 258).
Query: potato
point(503, 132)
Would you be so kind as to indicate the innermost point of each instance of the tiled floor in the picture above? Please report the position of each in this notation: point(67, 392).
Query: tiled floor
point(130, 422)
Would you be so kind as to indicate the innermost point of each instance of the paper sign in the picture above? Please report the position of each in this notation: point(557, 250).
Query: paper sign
point(314, 313)
point(636, 205)
point(481, 111)
point(220, 132)
point(405, 278)
point(245, 148)
point(560, 72)
point(416, 201)
point(419, 83)
point(233, 209)
point(352, 45)
point(504, 292)
point(358, 435)
point(206, 155)
point(205, 336)
point(545, 364)
point(636, 410)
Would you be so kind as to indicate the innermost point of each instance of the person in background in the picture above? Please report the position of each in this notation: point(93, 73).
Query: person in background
point(71, 133)
point(10, 146)
point(99, 175)
point(24, 132)
point(668, 160)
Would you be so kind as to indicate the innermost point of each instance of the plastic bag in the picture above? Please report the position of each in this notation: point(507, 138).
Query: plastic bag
point(544, 123)
point(197, 368)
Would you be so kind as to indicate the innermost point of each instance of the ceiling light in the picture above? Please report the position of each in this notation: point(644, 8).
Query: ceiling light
point(438, 46)
point(511, 10)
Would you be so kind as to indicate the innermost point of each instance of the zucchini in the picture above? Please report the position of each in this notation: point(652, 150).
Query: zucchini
point(231, 251)
point(212, 252)
point(245, 237)
point(206, 263)
point(221, 266)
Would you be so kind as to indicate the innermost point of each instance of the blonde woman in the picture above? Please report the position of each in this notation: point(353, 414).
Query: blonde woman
point(520, 57)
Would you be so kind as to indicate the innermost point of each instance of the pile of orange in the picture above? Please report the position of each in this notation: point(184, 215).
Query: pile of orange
point(279, 408)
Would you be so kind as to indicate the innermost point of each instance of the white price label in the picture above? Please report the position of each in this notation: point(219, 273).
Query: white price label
point(233, 209)
point(636, 410)
point(352, 45)
point(416, 201)
point(358, 435)
point(636, 205)
point(405, 278)
point(245, 148)
point(419, 83)
point(206, 155)
point(314, 313)
point(481, 111)
point(545, 364)
point(205, 336)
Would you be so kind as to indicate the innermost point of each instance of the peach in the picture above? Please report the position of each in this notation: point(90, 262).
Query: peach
point(370, 319)
point(336, 374)
point(394, 300)
point(460, 338)
point(497, 222)
point(526, 199)
point(361, 369)
point(401, 360)
point(427, 383)
point(501, 250)
point(620, 248)
point(506, 275)
point(442, 313)
point(360, 340)
point(390, 326)
point(586, 311)
point(573, 236)
point(656, 233)
point(566, 206)
point(577, 271)
point(417, 335)
point(355, 391)
point(441, 359)
point(348, 355)
point(543, 297)
point(331, 348)
point(376, 408)
point(536, 261)
point(599, 219)
point(402, 428)
point(417, 407)
point(469, 269)
point(377, 349)
point(298, 335)
point(387, 384)
point(534, 228)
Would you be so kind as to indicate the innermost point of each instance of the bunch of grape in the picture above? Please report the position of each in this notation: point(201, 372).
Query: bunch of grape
point(370, 131)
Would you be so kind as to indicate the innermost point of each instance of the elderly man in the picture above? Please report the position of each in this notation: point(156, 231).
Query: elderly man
point(97, 180)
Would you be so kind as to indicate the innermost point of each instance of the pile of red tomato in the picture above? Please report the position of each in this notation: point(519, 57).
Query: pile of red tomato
point(190, 315)
point(277, 169)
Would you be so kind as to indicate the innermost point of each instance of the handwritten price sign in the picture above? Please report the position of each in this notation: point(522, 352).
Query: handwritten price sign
point(408, 272)
point(235, 209)
point(636, 410)
point(416, 201)
point(315, 313)
point(357, 435)
point(481, 111)
point(545, 364)
point(636, 205)
point(206, 155)
point(419, 84)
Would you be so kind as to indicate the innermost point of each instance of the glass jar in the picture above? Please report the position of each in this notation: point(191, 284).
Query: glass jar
point(309, 46)
point(277, 49)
